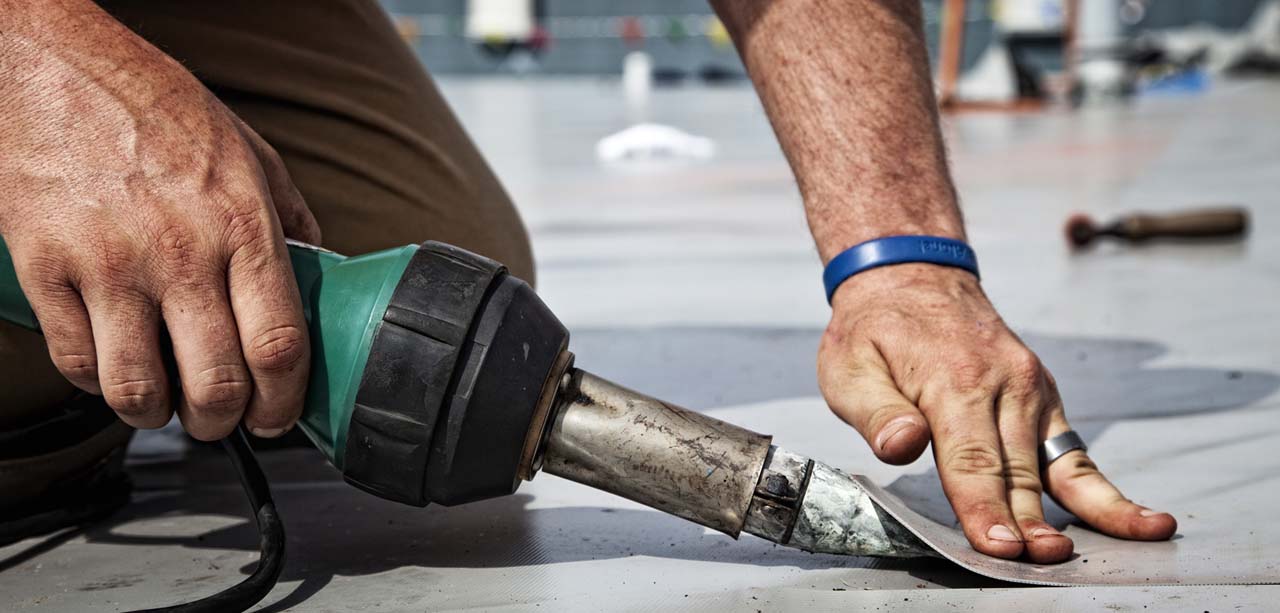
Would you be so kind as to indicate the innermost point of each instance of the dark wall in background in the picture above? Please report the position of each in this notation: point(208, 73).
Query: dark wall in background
point(1163, 14)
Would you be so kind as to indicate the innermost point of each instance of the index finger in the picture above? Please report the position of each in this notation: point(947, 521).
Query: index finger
point(273, 332)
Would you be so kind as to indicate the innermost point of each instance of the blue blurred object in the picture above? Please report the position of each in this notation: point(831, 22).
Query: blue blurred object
point(1190, 81)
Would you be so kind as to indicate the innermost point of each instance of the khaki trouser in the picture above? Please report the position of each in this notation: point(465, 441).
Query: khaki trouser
point(365, 134)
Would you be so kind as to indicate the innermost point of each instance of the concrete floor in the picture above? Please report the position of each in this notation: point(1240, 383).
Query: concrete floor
point(697, 283)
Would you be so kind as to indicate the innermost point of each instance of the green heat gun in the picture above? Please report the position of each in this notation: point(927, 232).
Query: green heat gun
point(438, 377)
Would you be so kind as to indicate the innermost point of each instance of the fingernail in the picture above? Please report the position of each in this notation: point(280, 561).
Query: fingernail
point(1044, 531)
point(267, 432)
point(1001, 533)
point(1149, 513)
point(893, 429)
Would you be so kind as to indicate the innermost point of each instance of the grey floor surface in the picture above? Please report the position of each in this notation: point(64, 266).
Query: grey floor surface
point(698, 283)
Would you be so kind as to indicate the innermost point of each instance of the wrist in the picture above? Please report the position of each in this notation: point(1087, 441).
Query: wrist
point(897, 250)
point(852, 238)
point(912, 212)
point(873, 284)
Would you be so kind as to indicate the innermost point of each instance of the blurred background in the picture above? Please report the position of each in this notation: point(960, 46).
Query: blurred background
point(670, 238)
point(631, 140)
point(1035, 37)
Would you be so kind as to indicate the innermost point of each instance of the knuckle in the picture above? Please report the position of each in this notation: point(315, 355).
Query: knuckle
point(1021, 405)
point(175, 244)
point(974, 458)
point(77, 366)
point(183, 260)
point(47, 268)
point(979, 510)
point(968, 372)
point(268, 155)
point(244, 226)
point(882, 413)
point(1075, 473)
point(278, 350)
point(1025, 369)
point(1021, 475)
point(1079, 467)
point(134, 396)
point(1052, 384)
point(296, 220)
point(220, 392)
point(113, 261)
point(312, 231)
point(1027, 520)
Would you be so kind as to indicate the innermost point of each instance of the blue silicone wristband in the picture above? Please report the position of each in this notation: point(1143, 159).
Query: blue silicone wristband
point(897, 250)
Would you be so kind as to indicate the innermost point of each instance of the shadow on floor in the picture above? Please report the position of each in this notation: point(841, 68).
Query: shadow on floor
point(337, 530)
point(705, 367)
point(1101, 381)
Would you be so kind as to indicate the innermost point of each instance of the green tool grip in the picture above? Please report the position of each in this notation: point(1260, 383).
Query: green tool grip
point(14, 307)
point(343, 299)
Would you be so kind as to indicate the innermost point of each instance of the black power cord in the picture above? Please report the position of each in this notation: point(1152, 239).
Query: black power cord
point(253, 589)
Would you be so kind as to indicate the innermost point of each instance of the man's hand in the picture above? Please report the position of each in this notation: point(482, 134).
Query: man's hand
point(135, 203)
point(914, 350)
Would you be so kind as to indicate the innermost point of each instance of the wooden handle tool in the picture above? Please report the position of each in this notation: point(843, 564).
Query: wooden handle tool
point(1214, 222)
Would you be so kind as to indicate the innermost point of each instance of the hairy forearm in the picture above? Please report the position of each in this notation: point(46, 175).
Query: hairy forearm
point(847, 88)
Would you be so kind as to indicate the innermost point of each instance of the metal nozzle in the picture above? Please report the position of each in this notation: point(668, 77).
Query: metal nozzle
point(827, 513)
point(678, 461)
point(713, 473)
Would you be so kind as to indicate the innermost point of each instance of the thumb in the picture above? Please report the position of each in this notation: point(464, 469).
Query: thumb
point(860, 390)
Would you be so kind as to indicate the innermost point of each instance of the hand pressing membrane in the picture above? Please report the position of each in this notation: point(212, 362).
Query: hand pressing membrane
point(134, 202)
point(915, 352)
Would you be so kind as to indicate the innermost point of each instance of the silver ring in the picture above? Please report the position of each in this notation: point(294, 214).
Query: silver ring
point(1058, 446)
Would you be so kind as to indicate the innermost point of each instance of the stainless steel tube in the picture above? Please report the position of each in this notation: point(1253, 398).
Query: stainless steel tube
point(713, 473)
point(657, 454)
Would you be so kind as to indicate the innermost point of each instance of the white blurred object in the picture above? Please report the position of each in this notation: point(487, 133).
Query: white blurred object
point(1101, 72)
point(651, 141)
point(1029, 15)
point(646, 141)
point(1099, 24)
point(992, 78)
point(1264, 28)
point(637, 82)
point(500, 19)
point(1225, 48)
point(1132, 12)
point(1104, 79)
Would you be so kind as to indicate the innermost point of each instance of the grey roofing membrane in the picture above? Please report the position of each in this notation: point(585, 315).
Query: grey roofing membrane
point(697, 284)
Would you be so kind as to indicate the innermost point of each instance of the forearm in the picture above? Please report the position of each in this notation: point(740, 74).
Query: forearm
point(847, 88)
point(60, 48)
